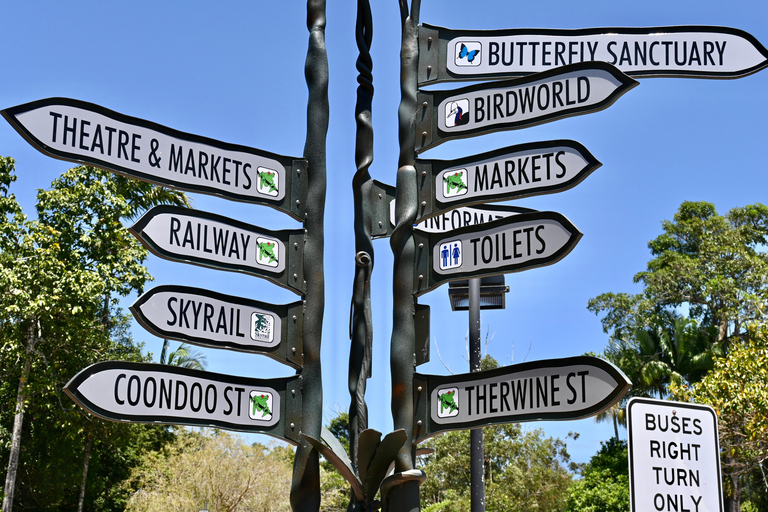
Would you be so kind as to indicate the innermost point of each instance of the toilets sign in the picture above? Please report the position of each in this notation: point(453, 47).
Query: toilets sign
point(674, 457)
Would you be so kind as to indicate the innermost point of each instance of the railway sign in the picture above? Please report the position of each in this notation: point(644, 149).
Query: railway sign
point(89, 134)
point(153, 393)
point(674, 456)
point(678, 51)
point(202, 238)
point(215, 320)
point(519, 103)
point(509, 173)
point(512, 244)
point(553, 389)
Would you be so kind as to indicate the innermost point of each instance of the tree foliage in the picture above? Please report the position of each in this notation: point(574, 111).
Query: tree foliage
point(604, 486)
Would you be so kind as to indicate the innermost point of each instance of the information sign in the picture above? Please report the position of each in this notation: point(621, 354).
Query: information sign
point(153, 393)
point(202, 238)
point(553, 389)
point(674, 457)
point(215, 320)
point(678, 51)
point(89, 134)
point(516, 243)
point(519, 103)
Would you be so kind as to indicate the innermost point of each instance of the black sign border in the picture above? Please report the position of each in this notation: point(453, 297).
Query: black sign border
point(435, 207)
point(278, 352)
point(280, 385)
point(286, 205)
point(431, 279)
point(428, 134)
point(285, 236)
point(430, 382)
point(445, 35)
point(678, 405)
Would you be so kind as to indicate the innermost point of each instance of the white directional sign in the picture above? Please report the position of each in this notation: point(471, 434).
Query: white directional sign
point(511, 104)
point(674, 457)
point(85, 133)
point(508, 173)
point(211, 319)
point(461, 217)
point(553, 389)
point(512, 244)
point(153, 393)
point(683, 51)
point(201, 238)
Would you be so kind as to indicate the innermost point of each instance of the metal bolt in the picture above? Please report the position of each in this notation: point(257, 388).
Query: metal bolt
point(421, 277)
point(296, 245)
point(423, 173)
point(298, 171)
point(294, 318)
point(293, 392)
point(293, 426)
point(379, 223)
point(418, 423)
point(429, 68)
point(379, 196)
point(425, 104)
point(423, 134)
point(298, 202)
point(295, 276)
point(419, 389)
point(293, 349)
point(421, 246)
point(423, 203)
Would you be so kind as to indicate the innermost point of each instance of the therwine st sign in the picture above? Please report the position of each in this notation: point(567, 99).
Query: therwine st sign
point(678, 51)
point(202, 238)
point(215, 320)
point(509, 173)
point(563, 92)
point(153, 393)
point(85, 133)
point(554, 389)
point(674, 457)
point(512, 244)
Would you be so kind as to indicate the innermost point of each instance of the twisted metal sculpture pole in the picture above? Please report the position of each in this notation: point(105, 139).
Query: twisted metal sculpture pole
point(361, 330)
point(403, 488)
point(305, 487)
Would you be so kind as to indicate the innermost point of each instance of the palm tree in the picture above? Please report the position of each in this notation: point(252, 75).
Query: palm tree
point(184, 356)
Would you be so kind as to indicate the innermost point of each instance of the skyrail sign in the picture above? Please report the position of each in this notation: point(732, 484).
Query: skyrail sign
point(553, 389)
point(153, 393)
point(209, 240)
point(89, 134)
point(215, 320)
point(512, 104)
point(677, 51)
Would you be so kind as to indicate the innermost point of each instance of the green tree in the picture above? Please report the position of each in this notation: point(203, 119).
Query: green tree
point(214, 467)
point(60, 277)
point(184, 356)
point(604, 486)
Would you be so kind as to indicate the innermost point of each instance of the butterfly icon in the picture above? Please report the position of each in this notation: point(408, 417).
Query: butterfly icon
point(470, 55)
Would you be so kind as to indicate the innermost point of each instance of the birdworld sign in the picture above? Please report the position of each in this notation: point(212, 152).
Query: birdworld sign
point(674, 457)
point(215, 320)
point(509, 173)
point(89, 134)
point(154, 393)
point(214, 241)
point(553, 389)
point(677, 51)
point(519, 103)
point(512, 244)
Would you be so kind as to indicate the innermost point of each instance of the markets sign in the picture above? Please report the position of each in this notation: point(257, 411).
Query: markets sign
point(512, 104)
point(509, 173)
point(553, 389)
point(674, 456)
point(89, 134)
point(214, 241)
point(678, 51)
point(512, 244)
point(215, 320)
point(154, 393)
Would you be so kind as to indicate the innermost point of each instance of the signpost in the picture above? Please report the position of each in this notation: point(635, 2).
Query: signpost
point(674, 456)
point(554, 389)
point(215, 320)
point(202, 238)
point(89, 134)
point(685, 51)
point(509, 173)
point(555, 94)
point(519, 242)
point(153, 393)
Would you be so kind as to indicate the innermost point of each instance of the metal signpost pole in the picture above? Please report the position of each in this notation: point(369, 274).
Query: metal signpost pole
point(476, 446)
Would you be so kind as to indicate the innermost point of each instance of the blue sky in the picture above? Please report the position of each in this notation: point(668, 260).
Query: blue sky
point(233, 71)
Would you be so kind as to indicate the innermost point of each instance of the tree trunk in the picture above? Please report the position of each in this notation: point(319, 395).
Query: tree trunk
point(615, 424)
point(86, 462)
point(18, 418)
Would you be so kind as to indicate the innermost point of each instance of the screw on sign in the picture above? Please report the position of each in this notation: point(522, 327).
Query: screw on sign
point(674, 459)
